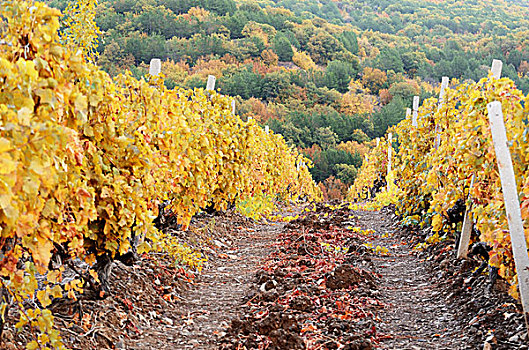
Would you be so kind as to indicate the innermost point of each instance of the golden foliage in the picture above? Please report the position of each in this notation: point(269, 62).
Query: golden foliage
point(85, 159)
point(176, 71)
point(432, 179)
point(81, 31)
point(303, 60)
point(374, 79)
point(357, 100)
point(269, 57)
point(353, 147)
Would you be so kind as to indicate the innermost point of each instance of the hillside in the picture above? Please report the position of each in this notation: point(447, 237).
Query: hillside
point(328, 75)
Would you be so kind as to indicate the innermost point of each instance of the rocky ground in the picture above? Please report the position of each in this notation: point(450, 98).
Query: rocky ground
point(334, 278)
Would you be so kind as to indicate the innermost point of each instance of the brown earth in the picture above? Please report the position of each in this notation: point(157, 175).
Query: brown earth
point(252, 293)
point(429, 306)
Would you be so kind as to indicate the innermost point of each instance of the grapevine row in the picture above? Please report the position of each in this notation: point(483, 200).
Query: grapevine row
point(430, 179)
point(85, 159)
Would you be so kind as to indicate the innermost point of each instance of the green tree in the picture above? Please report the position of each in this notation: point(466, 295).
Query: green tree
point(221, 7)
point(404, 90)
point(338, 74)
point(390, 59)
point(144, 47)
point(346, 172)
point(274, 85)
point(389, 115)
point(283, 48)
point(349, 41)
point(244, 83)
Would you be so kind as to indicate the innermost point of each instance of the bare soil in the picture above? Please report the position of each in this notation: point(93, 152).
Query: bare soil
point(314, 283)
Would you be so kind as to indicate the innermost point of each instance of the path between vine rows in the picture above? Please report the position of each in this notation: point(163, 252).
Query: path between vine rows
point(415, 314)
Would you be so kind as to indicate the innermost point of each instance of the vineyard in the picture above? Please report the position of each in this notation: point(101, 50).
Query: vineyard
point(134, 215)
point(87, 162)
point(446, 159)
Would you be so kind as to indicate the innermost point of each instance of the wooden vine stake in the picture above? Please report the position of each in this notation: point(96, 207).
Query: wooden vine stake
point(155, 67)
point(415, 114)
point(512, 203)
point(210, 86)
point(466, 230)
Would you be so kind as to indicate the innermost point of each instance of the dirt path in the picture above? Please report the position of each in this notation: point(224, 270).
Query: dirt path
point(207, 308)
point(419, 310)
point(417, 316)
point(216, 298)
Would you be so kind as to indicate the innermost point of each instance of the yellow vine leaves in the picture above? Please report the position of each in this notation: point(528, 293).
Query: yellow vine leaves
point(432, 180)
point(85, 159)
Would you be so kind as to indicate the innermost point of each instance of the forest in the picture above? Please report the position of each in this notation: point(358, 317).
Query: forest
point(330, 76)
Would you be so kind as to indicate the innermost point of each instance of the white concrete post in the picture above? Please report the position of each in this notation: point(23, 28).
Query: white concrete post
point(496, 68)
point(211, 83)
point(267, 129)
point(512, 203)
point(155, 67)
point(466, 230)
point(378, 141)
point(415, 115)
point(233, 106)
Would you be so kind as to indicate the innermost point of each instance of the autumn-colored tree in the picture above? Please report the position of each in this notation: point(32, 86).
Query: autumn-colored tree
point(323, 47)
point(303, 60)
point(198, 13)
point(210, 66)
point(269, 57)
point(334, 188)
point(257, 109)
point(357, 100)
point(374, 79)
point(385, 96)
point(354, 147)
point(366, 48)
point(260, 30)
point(323, 190)
point(524, 68)
point(177, 72)
point(312, 152)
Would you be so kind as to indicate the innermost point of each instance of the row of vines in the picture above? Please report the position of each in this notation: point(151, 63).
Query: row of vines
point(429, 180)
point(86, 159)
